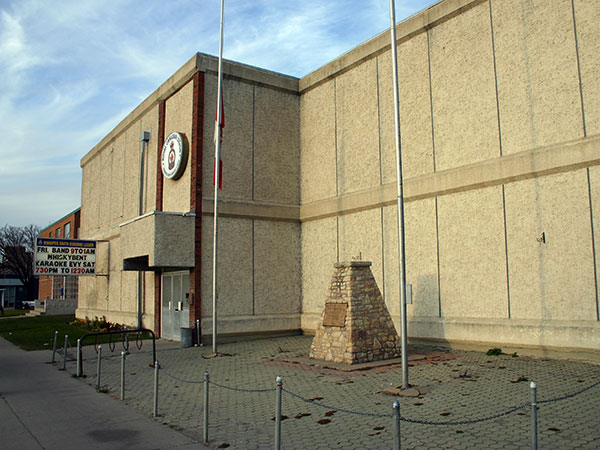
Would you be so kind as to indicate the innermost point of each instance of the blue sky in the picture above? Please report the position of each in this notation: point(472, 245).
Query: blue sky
point(71, 70)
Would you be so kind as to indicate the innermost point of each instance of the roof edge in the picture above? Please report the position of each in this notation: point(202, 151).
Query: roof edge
point(200, 62)
point(418, 22)
point(53, 224)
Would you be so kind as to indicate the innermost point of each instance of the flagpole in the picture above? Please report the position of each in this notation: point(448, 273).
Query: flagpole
point(217, 181)
point(399, 201)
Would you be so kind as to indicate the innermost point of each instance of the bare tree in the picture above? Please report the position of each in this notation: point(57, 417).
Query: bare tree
point(16, 251)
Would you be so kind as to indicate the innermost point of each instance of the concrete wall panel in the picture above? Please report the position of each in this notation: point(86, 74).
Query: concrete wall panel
point(357, 127)
point(178, 117)
point(236, 147)
point(415, 110)
point(538, 83)
point(148, 305)
point(472, 254)
point(234, 280)
point(276, 267)
point(104, 161)
point(317, 137)
point(463, 88)
point(150, 122)
point(276, 146)
point(319, 253)
point(552, 280)
point(114, 280)
point(587, 17)
point(421, 258)
point(116, 183)
point(129, 292)
point(90, 198)
point(129, 143)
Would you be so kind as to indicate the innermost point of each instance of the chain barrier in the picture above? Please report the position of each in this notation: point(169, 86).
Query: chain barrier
point(453, 423)
point(347, 411)
point(466, 422)
point(230, 388)
point(564, 397)
point(368, 414)
point(181, 380)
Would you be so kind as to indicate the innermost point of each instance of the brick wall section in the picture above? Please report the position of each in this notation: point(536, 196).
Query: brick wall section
point(367, 332)
point(159, 204)
point(196, 196)
point(45, 282)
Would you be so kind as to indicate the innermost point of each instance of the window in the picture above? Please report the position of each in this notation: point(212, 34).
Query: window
point(51, 234)
point(58, 233)
point(68, 230)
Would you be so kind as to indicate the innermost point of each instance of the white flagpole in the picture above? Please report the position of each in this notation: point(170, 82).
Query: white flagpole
point(399, 201)
point(216, 169)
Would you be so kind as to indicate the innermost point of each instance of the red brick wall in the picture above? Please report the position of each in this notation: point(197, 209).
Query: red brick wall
point(196, 196)
point(159, 207)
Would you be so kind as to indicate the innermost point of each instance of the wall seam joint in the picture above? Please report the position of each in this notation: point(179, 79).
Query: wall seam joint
point(437, 240)
point(496, 78)
point(379, 123)
point(506, 249)
point(593, 243)
point(579, 69)
point(431, 106)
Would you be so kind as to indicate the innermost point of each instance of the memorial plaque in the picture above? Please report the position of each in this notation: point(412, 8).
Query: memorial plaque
point(335, 314)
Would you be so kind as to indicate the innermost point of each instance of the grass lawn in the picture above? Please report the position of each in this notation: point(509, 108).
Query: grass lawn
point(37, 333)
point(15, 312)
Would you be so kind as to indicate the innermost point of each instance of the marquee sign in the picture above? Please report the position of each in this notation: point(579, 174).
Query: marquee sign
point(174, 156)
point(64, 257)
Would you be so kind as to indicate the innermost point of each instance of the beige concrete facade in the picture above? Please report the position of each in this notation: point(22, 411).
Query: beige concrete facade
point(497, 148)
point(500, 132)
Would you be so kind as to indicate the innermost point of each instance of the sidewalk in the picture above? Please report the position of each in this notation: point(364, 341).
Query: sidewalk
point(44, 408)
point(328, 408)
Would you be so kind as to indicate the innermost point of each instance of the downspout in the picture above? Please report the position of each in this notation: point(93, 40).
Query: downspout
point(145, 138)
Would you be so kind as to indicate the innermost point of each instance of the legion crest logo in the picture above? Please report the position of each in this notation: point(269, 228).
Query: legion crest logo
point(174, 156)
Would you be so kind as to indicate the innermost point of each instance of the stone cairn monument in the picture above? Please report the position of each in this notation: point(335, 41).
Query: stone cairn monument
point(355, 326)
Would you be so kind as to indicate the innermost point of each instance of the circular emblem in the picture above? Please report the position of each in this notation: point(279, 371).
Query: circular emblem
point(174, 156)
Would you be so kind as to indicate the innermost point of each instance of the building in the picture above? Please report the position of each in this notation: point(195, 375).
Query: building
point(500, 123)
point(61, 287)
point(13, 271)
point(12, 291)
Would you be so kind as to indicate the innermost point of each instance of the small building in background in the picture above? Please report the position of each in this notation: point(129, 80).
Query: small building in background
point(12, 291)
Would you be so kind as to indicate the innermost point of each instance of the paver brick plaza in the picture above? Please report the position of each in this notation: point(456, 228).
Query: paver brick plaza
point(457, 386)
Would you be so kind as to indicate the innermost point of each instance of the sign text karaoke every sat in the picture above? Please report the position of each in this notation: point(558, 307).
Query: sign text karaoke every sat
point(65, 257)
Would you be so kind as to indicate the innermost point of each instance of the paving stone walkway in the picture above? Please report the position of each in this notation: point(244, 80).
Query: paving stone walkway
point(456, 386)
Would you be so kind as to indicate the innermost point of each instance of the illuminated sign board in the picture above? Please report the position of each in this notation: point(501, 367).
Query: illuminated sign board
point(64, 257)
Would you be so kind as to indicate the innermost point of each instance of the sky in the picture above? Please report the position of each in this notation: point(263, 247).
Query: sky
point(71, 70)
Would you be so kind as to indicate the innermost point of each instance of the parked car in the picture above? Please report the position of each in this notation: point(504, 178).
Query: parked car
point(28, 304)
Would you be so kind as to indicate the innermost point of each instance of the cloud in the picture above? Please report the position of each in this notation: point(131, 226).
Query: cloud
point(71, 70)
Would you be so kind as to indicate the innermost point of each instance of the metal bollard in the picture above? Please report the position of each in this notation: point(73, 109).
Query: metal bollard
point(534, 421)
point(397, 439)
point(198, 333)
point(78, 358)
point(156, 367)
point(206, 381)
point(278, 413)
point(65, 352)
point(98, 367)
point(54, 346)
point(122, 375)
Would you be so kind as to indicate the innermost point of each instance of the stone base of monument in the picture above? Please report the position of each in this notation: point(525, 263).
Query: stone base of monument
point(355, 325)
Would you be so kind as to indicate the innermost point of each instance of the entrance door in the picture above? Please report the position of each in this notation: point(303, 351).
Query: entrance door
point(175, 304)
